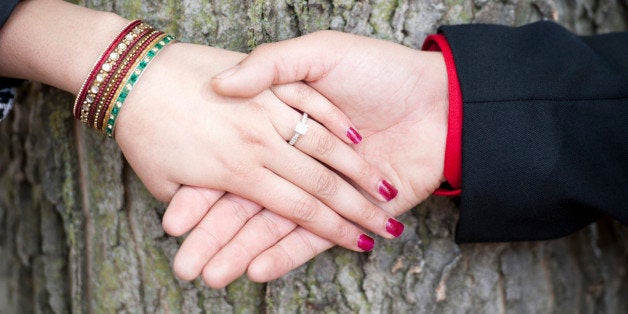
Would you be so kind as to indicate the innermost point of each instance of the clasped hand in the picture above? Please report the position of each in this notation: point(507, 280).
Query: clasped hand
point(217, 150)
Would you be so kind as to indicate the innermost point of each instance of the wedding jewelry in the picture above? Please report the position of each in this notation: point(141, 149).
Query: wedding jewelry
point(299, 129)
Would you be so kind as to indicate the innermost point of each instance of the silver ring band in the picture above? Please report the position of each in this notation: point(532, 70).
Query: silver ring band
point(299, 129)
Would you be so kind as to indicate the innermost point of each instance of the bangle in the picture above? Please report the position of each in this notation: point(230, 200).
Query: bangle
point(81, 98)
point(115, 73)
point(117, 77)
point(103, 79)
point(133, 76)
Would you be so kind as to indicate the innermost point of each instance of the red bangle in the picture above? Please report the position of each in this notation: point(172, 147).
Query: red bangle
point(120, 74)
point(109, 62)
point(80, 98)
point(115, 59)
point(115, 73)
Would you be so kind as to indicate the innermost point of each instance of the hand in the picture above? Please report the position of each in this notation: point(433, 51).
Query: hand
point(398, 99)
point(174, 130)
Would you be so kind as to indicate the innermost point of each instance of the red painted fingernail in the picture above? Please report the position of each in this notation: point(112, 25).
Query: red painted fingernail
point(365, 243)
point(354, 136)
point(387, 190)
point(394, 227)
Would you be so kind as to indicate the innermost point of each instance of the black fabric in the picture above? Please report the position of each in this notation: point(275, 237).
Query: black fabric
point(545, 130)
point(6, 8)
point(7, 96)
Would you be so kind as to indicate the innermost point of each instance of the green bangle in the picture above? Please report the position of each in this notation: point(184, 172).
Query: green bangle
point(127, 86)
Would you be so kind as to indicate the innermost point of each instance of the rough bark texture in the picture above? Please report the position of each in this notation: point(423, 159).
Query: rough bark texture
point(79, 233)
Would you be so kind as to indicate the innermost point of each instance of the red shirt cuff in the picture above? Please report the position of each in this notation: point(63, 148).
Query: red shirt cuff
point(453, 147)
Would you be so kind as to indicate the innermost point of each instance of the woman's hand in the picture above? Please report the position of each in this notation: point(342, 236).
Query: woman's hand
point(174, 130)
point(396, 96)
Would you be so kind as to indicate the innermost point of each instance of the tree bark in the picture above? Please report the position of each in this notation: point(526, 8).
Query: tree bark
point(79, 233)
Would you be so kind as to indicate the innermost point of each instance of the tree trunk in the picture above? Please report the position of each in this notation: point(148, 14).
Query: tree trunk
point(79, 233)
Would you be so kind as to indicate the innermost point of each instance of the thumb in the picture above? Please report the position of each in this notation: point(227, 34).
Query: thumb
point(270, 64)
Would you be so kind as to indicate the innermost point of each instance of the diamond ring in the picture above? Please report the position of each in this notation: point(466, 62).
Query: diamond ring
point(299, 130)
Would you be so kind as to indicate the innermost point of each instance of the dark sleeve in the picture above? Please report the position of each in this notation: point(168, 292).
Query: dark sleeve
point(544, 132)
point(6, 8)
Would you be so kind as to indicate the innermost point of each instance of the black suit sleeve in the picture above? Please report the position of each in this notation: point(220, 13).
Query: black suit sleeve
point(545, 130)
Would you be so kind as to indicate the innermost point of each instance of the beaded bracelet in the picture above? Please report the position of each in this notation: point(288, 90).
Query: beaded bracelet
point(118, 76)
point(115, 73)
point(146, 57)
point(81, 98)
point(121, 75)
point(99, 77)
point(102, 83)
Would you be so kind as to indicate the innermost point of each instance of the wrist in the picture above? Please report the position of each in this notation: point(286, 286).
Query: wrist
point(106, 27)
point(55, 42)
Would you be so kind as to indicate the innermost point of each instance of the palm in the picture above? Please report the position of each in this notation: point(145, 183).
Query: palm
point(402, 119)
point(395, 96)
point(416, 170)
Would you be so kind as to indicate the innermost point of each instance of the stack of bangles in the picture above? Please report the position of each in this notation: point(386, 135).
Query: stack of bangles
point(115, 73)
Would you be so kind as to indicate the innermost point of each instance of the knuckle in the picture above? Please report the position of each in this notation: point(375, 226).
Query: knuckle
point(210, 236)
point(244, 169)
point(368, 213)
point(269, 225)
point(366, 170)
point(326, 185)
point(287, 256)
point(306, 243)
point(325, 143)
point(238, 168)
point(240, 211)
point(342, 232)
point(248, 133)
point(250, 137)
point(304, 210)
point(332, 112)
point(302, 93)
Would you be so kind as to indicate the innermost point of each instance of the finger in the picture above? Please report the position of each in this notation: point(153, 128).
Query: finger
point(319, 143)
point(216, 229)
point(259, 234)
point(294, 250)
point(333, 191)
point(305, 98)
point(277, 63)
point(291, 202)
point(186, 208)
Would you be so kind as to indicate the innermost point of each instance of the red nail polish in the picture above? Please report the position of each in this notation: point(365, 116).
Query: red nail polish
point(387, 190)
point(365, 243)
point(354, 136)
point(394, 227)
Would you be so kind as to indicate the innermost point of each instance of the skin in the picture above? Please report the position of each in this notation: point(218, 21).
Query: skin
point(202, 139)
point(397, 97)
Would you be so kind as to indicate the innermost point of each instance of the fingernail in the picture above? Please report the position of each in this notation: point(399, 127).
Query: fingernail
point(354, 136)
point(387, 190)
point(365, 243)
point(394, 227)
point(227, 73)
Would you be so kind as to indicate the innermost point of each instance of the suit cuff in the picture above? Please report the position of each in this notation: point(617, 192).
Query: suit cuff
point(453, 148)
